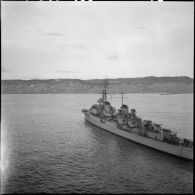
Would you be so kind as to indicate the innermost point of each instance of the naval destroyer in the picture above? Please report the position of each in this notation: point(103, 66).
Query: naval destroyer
point(125, 123)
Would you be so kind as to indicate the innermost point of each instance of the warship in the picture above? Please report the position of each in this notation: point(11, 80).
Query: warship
point(125, 123)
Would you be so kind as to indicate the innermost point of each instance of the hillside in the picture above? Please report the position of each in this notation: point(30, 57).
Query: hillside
point(128, 85)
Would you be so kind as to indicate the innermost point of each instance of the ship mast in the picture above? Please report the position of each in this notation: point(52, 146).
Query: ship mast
point(104, 92)
point(122, 93)
point(122, 97)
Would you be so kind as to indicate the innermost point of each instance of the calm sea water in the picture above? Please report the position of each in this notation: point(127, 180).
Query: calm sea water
point(48, 147)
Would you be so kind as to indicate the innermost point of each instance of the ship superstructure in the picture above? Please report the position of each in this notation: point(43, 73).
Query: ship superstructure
point(125, 122)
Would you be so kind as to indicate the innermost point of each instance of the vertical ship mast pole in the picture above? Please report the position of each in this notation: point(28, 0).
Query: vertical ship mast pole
point(122, 97)
point(104, 97)
point(104, 94)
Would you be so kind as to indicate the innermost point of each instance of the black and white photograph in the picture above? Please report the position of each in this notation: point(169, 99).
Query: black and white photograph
point(97, 97)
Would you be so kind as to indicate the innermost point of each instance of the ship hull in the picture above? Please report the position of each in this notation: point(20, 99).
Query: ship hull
point(111, 126)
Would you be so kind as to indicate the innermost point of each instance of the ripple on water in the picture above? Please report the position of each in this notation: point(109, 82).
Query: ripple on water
point(53, 150)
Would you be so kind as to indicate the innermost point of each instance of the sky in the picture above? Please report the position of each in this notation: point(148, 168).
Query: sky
point(88, 40)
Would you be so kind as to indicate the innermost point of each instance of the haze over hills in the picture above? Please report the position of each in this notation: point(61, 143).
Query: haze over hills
point(151, 84)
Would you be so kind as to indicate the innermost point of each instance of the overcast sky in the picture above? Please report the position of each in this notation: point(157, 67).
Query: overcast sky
point(96, 39)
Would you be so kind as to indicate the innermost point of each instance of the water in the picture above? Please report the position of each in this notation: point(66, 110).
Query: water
point(47, 146)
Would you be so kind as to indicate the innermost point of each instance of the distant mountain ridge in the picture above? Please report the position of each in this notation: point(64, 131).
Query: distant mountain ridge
point(151, 84)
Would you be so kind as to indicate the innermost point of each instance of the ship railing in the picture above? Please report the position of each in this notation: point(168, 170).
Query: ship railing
point(180, 144)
